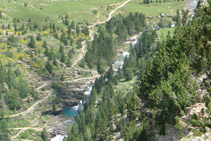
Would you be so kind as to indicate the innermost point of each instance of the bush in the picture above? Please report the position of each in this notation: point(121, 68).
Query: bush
point(82, 63)
point(26, 134)
point(129, 74)
point(164, 23)
point(195, 123)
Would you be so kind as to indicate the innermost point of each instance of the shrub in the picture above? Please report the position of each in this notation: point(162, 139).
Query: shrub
point(164, 23)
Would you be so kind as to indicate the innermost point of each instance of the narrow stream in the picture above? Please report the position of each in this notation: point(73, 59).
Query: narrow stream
point(126, 53)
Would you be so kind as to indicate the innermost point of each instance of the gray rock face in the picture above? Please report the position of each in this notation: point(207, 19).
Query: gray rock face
point(71, 95)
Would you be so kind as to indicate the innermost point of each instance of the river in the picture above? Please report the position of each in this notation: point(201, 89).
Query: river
point(119, 62)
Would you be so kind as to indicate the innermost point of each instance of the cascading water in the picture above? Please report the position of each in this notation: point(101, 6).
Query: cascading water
point(120, 60)
point(73, 111)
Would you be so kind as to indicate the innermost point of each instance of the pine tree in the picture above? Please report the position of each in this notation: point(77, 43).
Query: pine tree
point(54, 108)
point(63, 58)
point(86, 30)
point(32, 42)
point(45, 135)
point(55, 63)
point(46, 53)
point(39, 37)
point(78, 30)
point(64, 39)
point(72, 25)
point(49, 67)
point(4, 132)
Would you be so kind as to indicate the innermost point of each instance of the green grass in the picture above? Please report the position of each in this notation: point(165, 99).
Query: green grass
point(30, 134)
point(162, 33)
point(39, 10)
point(152, 9)
point(18, 123)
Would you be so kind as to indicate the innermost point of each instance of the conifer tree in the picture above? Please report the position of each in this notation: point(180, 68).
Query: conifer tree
point(45, 135)
point(49, 67)
point(32, 42)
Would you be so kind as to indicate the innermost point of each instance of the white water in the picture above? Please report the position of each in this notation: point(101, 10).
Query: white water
point(59, 138)
point(125, 54)
point(119, 62)
point(76, 108)
point(88, 91)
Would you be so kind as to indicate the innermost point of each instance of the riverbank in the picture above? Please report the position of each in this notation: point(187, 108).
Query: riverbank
point(71, 112)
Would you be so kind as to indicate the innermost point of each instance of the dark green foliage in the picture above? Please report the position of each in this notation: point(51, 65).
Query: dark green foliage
point(132, 107)
point(64, 39)
point(32, 42)
point(166, 82)
point(44, 135)
point(164, 23)
point(146, 1)
point(129, 25)
point(102, 51)
point(17, 90)
point(4, 132)
point(142, 50)
point(85, 30)
point(55, 63)
point(12, 101)
point(72, 25)
point(78, 30)
point(129, 74)
point(63, 58)
point(54, 108)
point(44, 45)
point(39, 37)
point(49, 67)
point(12, 40)
point(82, 63)
point(195, 123)
point(62, 77)
point(71, 53)
point(178, 18)
point(46, 53)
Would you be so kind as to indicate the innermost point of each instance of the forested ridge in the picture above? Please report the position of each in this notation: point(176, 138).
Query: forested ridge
point(168, 73)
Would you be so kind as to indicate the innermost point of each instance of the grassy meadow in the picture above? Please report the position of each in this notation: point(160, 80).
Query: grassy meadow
point(41, 10)
point(152, 9)
point(162, 33)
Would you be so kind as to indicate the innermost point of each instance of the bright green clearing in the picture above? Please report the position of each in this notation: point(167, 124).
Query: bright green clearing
point(39, 10)
point(162, 33)
point(152, 9)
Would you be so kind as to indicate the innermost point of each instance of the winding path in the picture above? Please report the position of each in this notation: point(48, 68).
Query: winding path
point(23, 129)
point(30, 109)
point(79, 79)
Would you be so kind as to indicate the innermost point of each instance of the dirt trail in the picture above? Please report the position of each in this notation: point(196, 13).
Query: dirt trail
point(23, 129)
point(30, 109)
point(43, 86)
point(79, 79)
